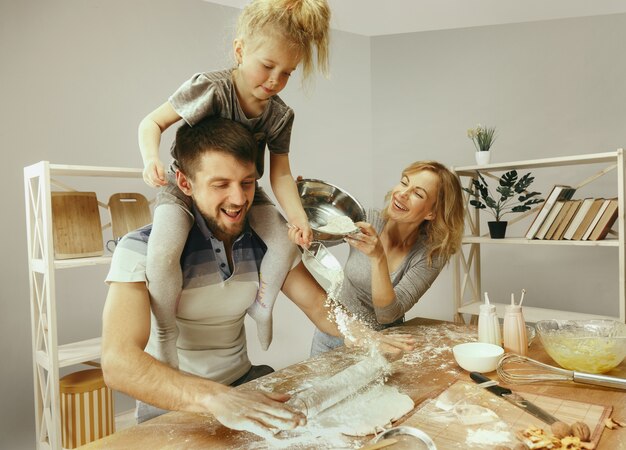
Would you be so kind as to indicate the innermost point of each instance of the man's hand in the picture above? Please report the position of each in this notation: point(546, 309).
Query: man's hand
point(263, 414)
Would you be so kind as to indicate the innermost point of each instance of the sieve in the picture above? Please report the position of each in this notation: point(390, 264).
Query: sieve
point(323, 265)
point(408, 438)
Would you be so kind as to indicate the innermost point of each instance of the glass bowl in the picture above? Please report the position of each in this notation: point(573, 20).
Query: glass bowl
point(592, 346)
point(323, 202)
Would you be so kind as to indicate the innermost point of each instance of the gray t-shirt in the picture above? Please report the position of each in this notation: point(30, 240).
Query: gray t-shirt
point(214, 94)
point(410, 280)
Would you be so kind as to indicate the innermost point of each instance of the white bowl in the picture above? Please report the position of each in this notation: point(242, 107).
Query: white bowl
point(477, 356)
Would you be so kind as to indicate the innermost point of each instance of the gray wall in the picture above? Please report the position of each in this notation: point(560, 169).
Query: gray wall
point(78, 75)
point(552, 88)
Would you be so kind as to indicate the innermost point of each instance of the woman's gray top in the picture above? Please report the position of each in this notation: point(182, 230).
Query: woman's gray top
point(410, 280)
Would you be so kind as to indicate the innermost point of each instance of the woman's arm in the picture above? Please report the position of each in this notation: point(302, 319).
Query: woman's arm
point(392, 302)
point(368, 242)
point(414, 283)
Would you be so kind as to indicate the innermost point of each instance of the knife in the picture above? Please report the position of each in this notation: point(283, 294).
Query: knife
point(515, 399)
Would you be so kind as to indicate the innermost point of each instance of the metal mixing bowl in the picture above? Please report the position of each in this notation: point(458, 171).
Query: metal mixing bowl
point(592, 346)
point(408, 437)
point(322, 201)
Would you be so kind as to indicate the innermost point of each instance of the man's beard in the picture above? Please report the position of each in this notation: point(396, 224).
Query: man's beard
point(221, 232)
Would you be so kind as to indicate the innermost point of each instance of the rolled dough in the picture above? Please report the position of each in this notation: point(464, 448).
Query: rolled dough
point(365, 413)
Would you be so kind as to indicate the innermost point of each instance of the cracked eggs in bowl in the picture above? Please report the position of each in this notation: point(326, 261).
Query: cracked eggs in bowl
point(592, 346)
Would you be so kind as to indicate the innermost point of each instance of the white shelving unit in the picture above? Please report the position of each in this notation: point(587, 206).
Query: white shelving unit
point(467, 268)
point(48, 356)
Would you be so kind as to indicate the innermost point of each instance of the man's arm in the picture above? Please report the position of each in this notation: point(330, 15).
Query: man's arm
point(127, 368)
point(302, 289)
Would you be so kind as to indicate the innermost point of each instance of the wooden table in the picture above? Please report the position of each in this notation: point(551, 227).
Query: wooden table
point(421, 374)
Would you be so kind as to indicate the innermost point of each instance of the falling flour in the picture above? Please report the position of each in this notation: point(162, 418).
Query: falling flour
point(354, 401)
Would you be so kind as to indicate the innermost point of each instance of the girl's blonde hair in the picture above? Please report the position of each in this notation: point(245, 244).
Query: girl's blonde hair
point(305, 23)
point(445, 231)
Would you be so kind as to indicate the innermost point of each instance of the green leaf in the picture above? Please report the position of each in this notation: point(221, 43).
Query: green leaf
point(508, 179)
point(523, 183)
point(526, 196)
point(490, 202)
point(478, 204)
point(505, 191)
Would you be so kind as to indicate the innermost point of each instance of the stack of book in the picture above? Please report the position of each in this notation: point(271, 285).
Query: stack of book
point(562, 217)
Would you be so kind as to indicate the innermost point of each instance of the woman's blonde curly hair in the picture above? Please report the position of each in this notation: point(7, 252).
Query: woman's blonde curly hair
point(445, 231)
point(304, 23)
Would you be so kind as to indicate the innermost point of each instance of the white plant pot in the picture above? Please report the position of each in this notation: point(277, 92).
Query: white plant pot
point(483, 158)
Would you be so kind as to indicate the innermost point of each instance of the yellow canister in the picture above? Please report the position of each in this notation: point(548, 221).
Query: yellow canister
point(87, 410)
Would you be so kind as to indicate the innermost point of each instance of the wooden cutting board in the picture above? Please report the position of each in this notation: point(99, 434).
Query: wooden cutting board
point(449, 432)
point(76, 226)
point(129, 211)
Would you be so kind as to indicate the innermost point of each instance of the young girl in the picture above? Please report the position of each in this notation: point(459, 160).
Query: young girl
point(274, 37)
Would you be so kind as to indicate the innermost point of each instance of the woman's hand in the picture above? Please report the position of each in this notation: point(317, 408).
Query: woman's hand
point(154, 173)
point(367, 241)
point(360, 335)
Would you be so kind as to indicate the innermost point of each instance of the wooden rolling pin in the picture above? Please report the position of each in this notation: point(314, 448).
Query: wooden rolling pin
point(325, 394)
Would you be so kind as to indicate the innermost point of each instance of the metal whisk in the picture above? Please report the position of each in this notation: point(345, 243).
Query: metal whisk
point(516, 369)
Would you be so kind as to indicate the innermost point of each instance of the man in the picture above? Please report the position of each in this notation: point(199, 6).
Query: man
point(220, 261)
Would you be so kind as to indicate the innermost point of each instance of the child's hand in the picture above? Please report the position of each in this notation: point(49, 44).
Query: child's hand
point(154, 173)
point(300, 233)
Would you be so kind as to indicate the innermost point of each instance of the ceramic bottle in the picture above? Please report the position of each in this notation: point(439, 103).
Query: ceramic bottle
point(488, 325)
point(514, 330)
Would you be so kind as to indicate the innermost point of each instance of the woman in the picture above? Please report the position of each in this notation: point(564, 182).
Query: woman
point(399, 253)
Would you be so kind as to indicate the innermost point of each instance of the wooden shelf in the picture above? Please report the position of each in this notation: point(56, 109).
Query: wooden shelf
point(39, 265)
point(49, 357)
point(524, 241)
point(532, 314)
point(74, 353)
point(467, 267)
point(592, 158)
point(94, 171)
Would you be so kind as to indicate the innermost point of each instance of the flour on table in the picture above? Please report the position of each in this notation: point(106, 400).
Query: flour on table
point(489, 436)
point(339, 225)
point(367, 413)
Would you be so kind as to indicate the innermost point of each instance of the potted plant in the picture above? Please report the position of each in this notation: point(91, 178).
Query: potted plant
point(513, 198)
point(483, 138)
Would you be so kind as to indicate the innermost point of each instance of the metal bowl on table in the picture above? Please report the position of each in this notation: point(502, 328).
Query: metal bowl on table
point(322, 202)
point(408, 438)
